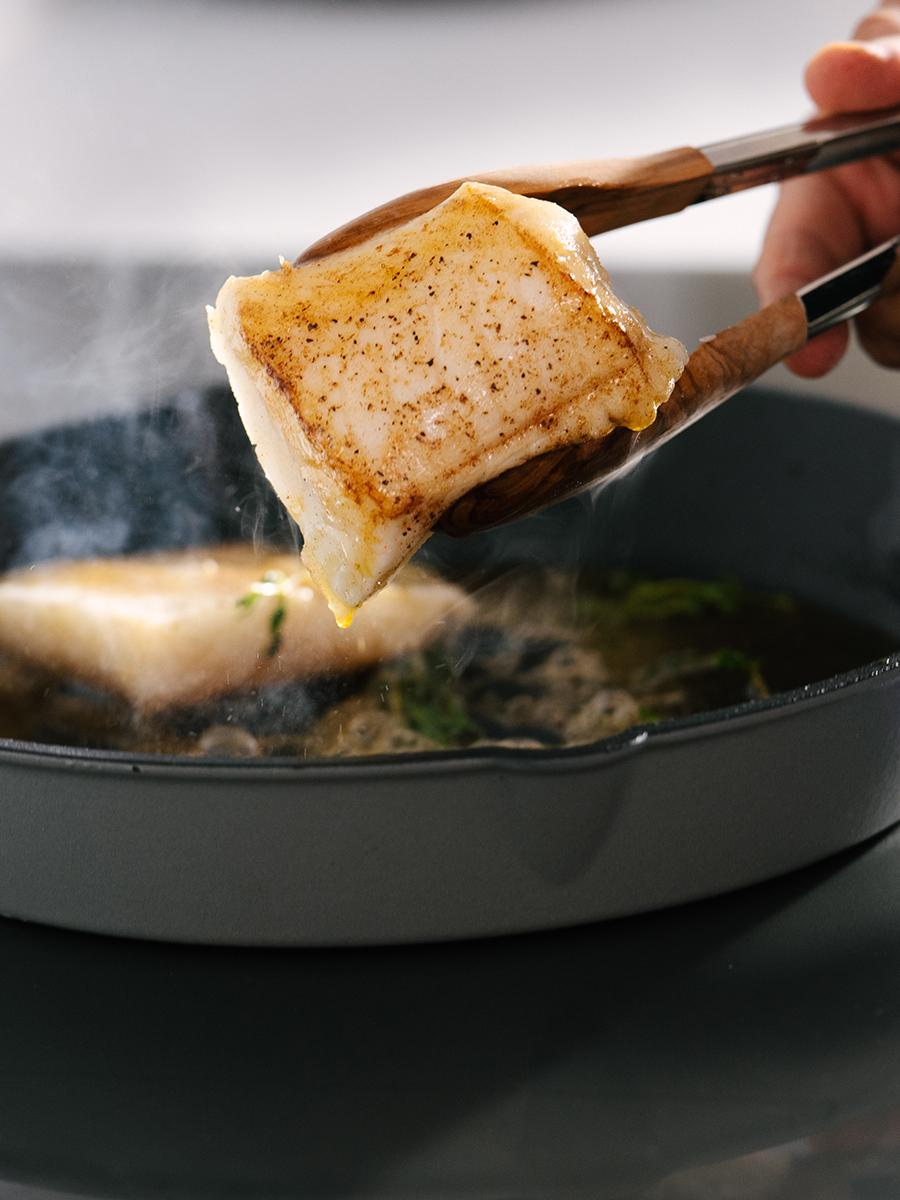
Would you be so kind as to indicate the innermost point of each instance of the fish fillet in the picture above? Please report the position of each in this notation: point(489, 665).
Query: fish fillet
point(381, 383)
point(179, 628)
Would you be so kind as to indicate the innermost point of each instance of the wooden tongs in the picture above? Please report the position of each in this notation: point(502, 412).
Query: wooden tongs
point(610, 193)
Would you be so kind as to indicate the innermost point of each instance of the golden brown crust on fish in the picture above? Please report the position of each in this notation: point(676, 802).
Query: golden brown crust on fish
point(381, 383)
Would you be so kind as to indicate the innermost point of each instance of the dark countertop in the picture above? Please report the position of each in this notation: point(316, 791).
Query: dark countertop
point(618, 1060)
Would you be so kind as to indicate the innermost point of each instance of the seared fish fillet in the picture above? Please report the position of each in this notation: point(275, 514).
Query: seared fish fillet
point(381, 383)
point(178, 628)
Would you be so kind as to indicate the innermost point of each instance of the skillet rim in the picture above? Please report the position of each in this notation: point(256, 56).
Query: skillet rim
point(637, 738)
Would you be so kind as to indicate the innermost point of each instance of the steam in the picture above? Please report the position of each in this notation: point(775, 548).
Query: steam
point(107, 371)
point(84, 338)
point(172, 476)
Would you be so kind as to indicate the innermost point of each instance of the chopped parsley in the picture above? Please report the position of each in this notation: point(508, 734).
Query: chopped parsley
point(274, 584)
point(679, 666)
point(743, 664)
point(648, 716)
point(430, 702)
point(662, 599)
point(624, 599)
point(275, 623)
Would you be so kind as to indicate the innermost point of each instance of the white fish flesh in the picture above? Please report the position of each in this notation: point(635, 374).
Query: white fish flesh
point(381, 383)
point(179, 628)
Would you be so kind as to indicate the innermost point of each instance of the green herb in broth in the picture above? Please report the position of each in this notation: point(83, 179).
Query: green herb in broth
point(682, 664)
point(272, 583)
point(275, 623)
point(737, 660)
point(648, 716)
point(623, 597)
point(429, 701)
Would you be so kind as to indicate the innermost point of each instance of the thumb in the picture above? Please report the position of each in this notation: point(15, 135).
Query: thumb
point(863, 73)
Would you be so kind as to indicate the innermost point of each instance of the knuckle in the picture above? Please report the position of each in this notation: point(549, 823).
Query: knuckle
point(882, 22)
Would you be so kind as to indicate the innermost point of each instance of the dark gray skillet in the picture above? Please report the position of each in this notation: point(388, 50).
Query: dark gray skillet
point(793, 494)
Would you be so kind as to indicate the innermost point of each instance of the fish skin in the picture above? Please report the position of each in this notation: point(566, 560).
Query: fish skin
point(380, 384)
point(173, 629)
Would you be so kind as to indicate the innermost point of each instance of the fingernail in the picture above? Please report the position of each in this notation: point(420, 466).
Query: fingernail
point(882, 51)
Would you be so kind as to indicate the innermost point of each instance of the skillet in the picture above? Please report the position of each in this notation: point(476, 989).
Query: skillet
point(788, 493)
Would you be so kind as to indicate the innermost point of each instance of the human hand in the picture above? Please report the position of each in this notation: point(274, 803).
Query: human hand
point(824, 220)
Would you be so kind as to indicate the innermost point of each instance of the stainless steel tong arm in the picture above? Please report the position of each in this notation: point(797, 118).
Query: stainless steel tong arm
point(800, 149)
point(849, 290)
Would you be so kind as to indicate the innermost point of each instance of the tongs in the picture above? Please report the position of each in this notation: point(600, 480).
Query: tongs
point(611, 193)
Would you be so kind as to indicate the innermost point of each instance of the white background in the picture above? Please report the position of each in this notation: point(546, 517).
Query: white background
point(211, 126)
